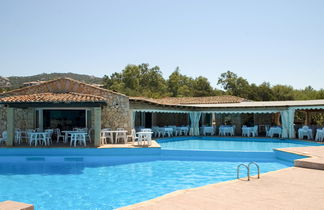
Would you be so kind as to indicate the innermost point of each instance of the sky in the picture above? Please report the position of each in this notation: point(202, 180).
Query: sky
point(277, 41)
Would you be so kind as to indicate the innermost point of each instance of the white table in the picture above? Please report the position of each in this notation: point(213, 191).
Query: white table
point(78, 136)
point(305, 132)
point(207, 130)
point(275, 130)
point(37, 136)
point(184, 130)
point(248, 131)
point(116, 134)
point(224, 130)
point(319, 135)
point(144, 137)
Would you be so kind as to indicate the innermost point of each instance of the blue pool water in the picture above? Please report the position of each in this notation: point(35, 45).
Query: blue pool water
point(80, 185)
point(80, 179)
point(230, 144)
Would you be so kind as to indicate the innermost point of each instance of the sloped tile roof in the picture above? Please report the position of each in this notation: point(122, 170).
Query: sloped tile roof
point(63, 84)
point(52, 98)
point(192, 100)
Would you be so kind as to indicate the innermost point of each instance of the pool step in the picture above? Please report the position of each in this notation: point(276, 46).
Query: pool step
point(248, 169)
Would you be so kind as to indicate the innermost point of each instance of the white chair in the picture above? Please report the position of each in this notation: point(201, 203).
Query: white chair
point(35, 138)
point(305, 131)
point(255, 131)
point(168, 132)
point(59, 135)
point(245, 131)
point(4, 137)
point(106, 136)
point(133, 136)
point(267, 128)
point(121, 136)
point(18, 136)
point(319, 134)
point(89, 133)
point(78, 137)
point(43, 139)
point(48, 136)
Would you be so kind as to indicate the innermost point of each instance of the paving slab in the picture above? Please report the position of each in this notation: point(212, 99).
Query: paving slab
point(297, 188)
point(290, 188)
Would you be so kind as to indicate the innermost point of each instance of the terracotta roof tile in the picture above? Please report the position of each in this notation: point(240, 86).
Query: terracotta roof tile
point(192, 100)
point(52, 98)
point(57, 81)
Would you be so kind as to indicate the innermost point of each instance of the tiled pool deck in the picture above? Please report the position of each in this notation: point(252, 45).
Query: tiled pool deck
point(300, 187)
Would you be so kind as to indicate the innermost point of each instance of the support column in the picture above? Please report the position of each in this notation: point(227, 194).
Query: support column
point(10, 126)
point(277, 118)
point(97, 126)
point(132, 115)
point(40, 119)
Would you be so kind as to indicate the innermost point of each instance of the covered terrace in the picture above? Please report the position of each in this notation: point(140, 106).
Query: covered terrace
point(218, 111)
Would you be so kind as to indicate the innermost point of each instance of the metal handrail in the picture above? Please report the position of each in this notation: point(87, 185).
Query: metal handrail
point(258, 167)
point(238, 171)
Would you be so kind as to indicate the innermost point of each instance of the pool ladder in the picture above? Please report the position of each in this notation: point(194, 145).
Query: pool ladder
point(248, 169)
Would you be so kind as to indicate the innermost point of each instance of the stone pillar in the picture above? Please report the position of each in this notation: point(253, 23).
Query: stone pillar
point(10, 126)
point(97, 125)
point(40, 119)
point(31, 118)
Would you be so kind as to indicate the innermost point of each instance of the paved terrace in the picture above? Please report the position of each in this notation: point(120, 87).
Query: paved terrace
point(291, 188)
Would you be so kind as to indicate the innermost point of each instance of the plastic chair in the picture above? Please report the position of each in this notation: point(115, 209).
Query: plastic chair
point(4, 137)
point(59, 135)
point(133, 136)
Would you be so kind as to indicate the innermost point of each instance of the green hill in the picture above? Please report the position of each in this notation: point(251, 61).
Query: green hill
point(17, 81)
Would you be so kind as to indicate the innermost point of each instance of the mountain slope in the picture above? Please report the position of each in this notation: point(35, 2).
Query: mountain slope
point(17, 81)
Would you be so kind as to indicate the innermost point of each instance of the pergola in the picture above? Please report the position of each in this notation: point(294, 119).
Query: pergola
point(286, 109)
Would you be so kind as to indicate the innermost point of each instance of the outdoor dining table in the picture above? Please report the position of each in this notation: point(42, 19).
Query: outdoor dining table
point(183, 130)
point(38, 136)
point(144, 136)
point(305, 132)
point(223, 130)
point(114, 134)
point(67, 133)
point(274, 130)
point(319, 135)
point(249, 131)
point(207, 129)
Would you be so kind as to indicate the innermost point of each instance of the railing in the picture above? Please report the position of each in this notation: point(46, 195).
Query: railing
point(248, 169)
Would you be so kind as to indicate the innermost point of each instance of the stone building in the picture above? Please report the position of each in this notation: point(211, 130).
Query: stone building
point(64, 103)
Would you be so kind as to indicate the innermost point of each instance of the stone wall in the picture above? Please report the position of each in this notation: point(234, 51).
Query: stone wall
point(116, 113)
point(25, 118)
point(3, 119)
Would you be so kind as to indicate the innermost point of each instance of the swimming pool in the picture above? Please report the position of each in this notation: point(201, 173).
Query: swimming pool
point(230, 144)
point(112, 178)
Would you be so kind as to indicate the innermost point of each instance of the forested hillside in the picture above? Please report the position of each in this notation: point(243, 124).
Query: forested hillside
point(17, 81)
point(143, 80)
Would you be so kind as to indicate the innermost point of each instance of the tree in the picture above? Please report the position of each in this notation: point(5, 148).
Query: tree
point(283, 93)
point(138, 80)
point(234, 85)
point(180, 85)
point(202, 87)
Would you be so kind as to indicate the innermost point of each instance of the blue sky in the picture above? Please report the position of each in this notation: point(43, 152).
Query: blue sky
point(279, 41)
